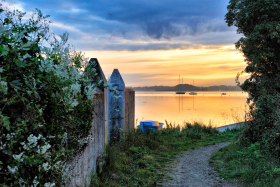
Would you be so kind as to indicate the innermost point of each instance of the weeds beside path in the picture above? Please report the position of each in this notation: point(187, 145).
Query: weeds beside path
point(247, 163)
point(140, 158)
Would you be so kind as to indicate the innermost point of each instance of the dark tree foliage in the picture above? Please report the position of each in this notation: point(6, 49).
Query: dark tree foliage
point(258, 21)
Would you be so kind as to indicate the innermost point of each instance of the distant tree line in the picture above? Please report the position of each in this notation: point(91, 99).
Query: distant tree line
point(187, 87)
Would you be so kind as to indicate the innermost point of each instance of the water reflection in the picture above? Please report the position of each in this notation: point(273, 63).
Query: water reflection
point(204, 107)
point(181, 102)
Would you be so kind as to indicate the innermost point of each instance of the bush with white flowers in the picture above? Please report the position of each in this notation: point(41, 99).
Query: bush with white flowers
point(45, 102)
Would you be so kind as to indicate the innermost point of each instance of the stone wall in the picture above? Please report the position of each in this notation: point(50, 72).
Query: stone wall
point(84, 164)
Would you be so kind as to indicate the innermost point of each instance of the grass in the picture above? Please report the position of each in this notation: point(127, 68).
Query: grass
point(140, 158)
point(247, 164)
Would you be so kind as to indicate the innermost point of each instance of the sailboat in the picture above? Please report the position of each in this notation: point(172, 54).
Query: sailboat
point(193, 93)
point(180, 92)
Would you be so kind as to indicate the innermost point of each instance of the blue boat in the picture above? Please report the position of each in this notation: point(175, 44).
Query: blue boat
point(151, 125)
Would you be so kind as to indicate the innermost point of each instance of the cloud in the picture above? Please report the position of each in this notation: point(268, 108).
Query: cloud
point(157, 19)
point(143, 25)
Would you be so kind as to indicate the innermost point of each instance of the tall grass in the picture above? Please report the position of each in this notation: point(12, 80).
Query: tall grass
point(247, 164)
point(140, 158)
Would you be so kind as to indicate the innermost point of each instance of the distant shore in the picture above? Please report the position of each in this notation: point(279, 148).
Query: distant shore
point(187, 87)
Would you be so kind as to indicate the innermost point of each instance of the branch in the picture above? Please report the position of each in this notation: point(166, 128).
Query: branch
point(5, 173)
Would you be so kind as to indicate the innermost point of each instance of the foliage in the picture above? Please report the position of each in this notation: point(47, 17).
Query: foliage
point(248, 164)
point(140, 158)
point(45, 102)
point(258, 21)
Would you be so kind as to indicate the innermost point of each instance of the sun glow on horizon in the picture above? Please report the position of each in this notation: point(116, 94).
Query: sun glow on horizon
point(149, 68)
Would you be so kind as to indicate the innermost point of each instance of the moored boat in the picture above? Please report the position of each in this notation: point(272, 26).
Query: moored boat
point(193, 93)
point(150, 125)
point(180, 92)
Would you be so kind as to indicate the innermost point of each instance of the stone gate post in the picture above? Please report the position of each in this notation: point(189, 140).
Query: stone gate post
point(116, 107)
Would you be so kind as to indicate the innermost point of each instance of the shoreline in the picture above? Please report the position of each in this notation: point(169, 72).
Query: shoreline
point(231, 126)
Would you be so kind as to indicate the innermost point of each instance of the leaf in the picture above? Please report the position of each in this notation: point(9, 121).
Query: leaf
point(1, 162)
point(20, 63)
point(29, 92)
point(7, 152)
point(16, 84)
point(5, 53)
point(7, 21)
point(6, 122)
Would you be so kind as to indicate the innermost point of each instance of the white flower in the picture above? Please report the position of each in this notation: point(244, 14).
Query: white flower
point(75, 88)
point(46, 166)
point(18, 157)
point(35, 181)
point(49, 184)
point(12, 170)
point(57, 165)
point(8, 137)
point(33, 140)
point(65, 89)
point(74, 103)
point(2, 146)
point(20, 181)
point(43, 149)
point(24, 146)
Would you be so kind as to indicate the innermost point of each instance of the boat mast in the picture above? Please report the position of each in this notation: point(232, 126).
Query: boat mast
point(179, 83)
point(193, 85)
point(182, 83)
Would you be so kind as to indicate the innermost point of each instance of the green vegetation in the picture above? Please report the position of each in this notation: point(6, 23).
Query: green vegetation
point(46, 101)
point(247, 164)
point(258, 21)
point(254, 159)
point(140, 158)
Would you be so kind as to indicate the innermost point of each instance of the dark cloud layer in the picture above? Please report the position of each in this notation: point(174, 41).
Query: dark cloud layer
point(132, 20)
point(157, 18)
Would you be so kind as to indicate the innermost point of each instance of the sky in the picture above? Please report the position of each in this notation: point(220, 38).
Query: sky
point(150, 42)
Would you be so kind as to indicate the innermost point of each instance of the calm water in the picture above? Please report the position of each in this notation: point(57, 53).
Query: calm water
point(205, 107)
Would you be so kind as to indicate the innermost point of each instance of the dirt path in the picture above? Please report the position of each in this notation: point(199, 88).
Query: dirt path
point(192, 169)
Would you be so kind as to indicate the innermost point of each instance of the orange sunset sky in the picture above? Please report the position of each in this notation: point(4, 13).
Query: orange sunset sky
point(150, 42)
point(217, 66)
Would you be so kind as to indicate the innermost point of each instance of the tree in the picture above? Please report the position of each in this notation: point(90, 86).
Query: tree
point(258, 21)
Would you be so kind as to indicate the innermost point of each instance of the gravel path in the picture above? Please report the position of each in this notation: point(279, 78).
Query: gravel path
point(192, 169)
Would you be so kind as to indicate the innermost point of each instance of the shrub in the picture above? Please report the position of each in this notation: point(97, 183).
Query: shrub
point(45, 102)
